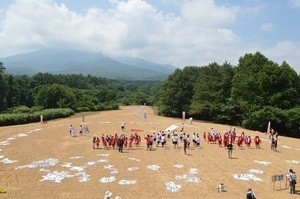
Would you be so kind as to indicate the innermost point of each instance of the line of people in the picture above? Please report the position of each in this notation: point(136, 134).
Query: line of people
point(114, 141)
point(216, 138)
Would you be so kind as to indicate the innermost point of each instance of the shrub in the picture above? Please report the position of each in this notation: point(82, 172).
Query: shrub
point(23, 118)
point(21, 109)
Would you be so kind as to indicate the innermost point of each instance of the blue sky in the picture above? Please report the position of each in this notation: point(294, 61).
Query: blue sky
point(177, 32)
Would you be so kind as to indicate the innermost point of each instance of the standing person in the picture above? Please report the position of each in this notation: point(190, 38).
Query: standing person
point(147, 138)
point(188, 142)
point(71, 129)
point(194, 139)
point(248, 141)
point(97, 142)
point(169, 134)
point(154, 137)
point(130, 141)
point(86, 130)
point(125, 141)
point(191, 120)
point(83, 118)
point(151, 142)
point(104, 142)
point(94, 141)
point(145, 114)
point(175, 140)
point(292, 181)
point(229, 148)
point(257, 142)
point(275, 145)
point(272, 142)
point(163, 140)
point(239, 142)
point(184, 145)
point(158, 139)
point(120, 143)
point(181, 135)
point(197, 140)
point(123, 126)
point(250, 194)
point(80, 129)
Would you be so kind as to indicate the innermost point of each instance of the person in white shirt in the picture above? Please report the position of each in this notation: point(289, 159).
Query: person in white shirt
point(163, 140)
point(175, 140)
point(188, 141)
point(194, 139)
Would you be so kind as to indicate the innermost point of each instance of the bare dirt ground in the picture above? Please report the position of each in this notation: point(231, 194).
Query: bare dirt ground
point(83, 172)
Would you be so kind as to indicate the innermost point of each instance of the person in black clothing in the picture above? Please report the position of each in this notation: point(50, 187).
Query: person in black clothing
point(250, 194)
point(120, 143)
point(184, 145)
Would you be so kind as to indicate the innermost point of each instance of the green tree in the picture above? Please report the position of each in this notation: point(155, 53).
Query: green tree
point(246, 90)
point(211, 100)
point(2, 87)
point(10, 92)
point(176, 93)
point(54, 96)
point(2, 68)
point(23, 91)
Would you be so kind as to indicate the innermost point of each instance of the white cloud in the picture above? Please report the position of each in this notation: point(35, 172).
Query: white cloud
point(134, 28)
point(294, 3)
point(207, 13)
point(198, 35)
point(267, 27)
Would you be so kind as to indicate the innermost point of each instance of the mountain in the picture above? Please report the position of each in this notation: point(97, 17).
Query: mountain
point(82, 62)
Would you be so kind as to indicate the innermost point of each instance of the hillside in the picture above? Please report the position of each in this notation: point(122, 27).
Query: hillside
point(81, 62)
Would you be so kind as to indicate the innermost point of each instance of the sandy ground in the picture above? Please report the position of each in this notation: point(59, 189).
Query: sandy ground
point(197, 174)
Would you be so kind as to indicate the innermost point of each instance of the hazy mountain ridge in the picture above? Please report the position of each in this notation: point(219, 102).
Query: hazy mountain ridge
point(82, 62)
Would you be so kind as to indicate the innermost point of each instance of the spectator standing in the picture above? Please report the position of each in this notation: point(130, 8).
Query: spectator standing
point(250, 194)
point(292, 181)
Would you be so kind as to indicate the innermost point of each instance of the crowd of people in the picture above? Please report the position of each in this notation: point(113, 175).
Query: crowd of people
point(160, 139)
point(133, 141)
point(230, 137)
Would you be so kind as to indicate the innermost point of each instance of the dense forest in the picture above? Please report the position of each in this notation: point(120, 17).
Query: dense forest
point(250, 94)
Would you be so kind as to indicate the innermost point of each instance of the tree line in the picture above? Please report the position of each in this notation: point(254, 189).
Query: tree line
point(78, 92)
point(250, 94)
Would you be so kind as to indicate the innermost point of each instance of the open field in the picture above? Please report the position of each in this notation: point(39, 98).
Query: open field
point(46, 162)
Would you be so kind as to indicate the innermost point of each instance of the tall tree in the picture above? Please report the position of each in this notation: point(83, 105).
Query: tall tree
point(2, 68)
point(2, 87)
point(177, 92)
point(10, 92)
point(246, 90)
point(212, 92)
point(23, 91)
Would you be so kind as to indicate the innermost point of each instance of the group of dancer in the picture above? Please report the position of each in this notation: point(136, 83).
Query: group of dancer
point(117, 141)
point(133, 141)
point(231, 137)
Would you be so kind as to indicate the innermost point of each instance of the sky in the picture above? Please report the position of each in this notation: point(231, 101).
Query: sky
point(177, 32)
